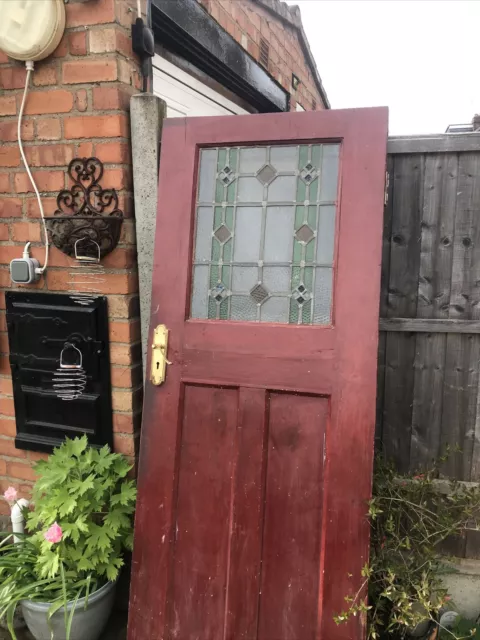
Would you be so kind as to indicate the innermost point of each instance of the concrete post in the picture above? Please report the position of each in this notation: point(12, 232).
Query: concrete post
point(147, 112)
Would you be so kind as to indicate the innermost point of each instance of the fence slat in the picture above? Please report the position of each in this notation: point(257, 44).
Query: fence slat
point(402, 302)
point(437, 222)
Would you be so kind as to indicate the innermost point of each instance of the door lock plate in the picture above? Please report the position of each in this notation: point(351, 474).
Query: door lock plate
point(159, 355)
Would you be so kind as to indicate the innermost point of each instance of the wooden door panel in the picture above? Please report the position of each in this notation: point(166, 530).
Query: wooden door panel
point(293, 512)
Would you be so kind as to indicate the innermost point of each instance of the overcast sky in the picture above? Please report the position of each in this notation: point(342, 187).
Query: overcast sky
point(421, 58)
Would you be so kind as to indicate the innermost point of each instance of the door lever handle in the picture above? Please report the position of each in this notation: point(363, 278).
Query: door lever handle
point(158, 369)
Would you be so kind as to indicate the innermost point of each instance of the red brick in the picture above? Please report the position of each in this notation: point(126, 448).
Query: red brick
point(9, 156)
point(122, 423)
point(20, 471)
point(127, 234)
point(111, 98)
point(13, 77)
point(49, 155)
point(7, 448)
point(102, 40)
point(10, 208)
point(45, 180)
point(81, 100)
point(124, 444)
point(8, 130)
point(6, 386)
point(3, 57)
point(56, 101)
point(7, 407)
point(45, 74)
point(78, 43)
point(5, 183)
point(123, 43)
point(122, 400)
point(3, 472)
point(121, 377)
point(112, 282)
point(123, 306)
point(49, 129)
point(62, 49)
point(117, 178)
point(85, 150)
point(124, 331)
point(80, 71)
point(94, 12)
point(26, 231)
point(49, 206)
point(120, 354)
point(120, 259)
point(9, 252)
point(112, 126)
point(8, 427)
point(8, 106)
point(3, 321)
point(4, 235)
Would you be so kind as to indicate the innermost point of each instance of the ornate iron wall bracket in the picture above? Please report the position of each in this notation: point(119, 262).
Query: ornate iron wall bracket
point(86, 210)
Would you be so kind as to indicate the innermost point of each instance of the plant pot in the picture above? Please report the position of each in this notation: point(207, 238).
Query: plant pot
point(87, 623)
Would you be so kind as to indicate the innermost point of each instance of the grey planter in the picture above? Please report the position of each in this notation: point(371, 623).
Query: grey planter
point(87, 623)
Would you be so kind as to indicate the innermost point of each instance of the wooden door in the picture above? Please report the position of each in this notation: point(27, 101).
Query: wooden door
point(256, 453)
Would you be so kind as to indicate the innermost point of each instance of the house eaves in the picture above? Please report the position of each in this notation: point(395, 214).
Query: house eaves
point(292, 16)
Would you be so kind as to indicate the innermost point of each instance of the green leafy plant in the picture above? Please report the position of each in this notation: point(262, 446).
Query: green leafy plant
point(410, 519)
point(79, 528)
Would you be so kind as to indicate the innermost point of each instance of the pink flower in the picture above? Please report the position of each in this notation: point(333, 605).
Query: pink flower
point(10, 494)
point(54, 534)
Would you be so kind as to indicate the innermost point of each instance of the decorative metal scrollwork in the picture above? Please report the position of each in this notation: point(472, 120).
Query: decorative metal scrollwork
point(86, 210)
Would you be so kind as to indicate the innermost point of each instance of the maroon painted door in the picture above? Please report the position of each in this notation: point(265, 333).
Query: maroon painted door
point(256, 452)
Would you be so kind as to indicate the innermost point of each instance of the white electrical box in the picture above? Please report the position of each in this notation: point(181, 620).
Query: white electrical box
point(31, 29)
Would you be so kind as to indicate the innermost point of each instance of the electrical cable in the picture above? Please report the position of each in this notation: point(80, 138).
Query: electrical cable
point(29, 66)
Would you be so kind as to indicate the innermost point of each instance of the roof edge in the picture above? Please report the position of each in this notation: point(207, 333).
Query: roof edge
point(292, 15)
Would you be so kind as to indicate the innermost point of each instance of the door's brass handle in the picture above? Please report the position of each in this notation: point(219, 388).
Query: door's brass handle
point(158, 368)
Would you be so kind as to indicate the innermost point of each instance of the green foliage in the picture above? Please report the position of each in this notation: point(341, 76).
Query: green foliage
point(87, 493)
point(410, 518)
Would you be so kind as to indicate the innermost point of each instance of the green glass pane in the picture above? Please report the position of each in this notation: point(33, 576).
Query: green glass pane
point(217, 218)
point(301, 190)
point(296, 277)
point(302, 156)
point(312, 216)
point(229, 218)
point(227, 251)
point(216, 250)
point(222, 159)
point(297, 251)
point(212, 309)
point(313, 190)
point(293, 315)
point(219, 192)
point(231, 192)
point(310, 251)
point(233, 159)
point(214, 271)
point(299, 217)
point(307, 312)
point(316, 153)
point(224, 310)
point(308, 278)
point(226, 276)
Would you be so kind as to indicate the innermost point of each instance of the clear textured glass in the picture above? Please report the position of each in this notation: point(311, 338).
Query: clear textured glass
point(279, 234)
point(248, 232)
point(265, 234)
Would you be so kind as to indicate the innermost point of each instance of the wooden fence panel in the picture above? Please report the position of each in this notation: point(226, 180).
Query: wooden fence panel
point(429, 352)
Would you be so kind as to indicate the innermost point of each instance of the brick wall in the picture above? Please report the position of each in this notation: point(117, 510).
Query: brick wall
point(77, 107)
point(249, 22)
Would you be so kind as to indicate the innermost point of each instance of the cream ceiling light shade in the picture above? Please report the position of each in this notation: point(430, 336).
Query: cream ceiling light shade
point(31, 29)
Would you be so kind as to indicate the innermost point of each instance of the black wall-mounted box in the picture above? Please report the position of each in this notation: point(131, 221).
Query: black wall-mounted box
point(38, 326)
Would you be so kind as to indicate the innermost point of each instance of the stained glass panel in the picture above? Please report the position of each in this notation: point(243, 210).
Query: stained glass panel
point(265, 234)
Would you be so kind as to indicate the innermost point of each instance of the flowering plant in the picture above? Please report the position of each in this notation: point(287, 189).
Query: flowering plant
point(78, 529)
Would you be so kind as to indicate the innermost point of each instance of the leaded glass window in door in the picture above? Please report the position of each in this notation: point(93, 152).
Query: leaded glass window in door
point(265, 233)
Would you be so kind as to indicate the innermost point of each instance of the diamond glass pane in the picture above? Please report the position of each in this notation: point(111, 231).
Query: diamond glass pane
point(265, 233)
